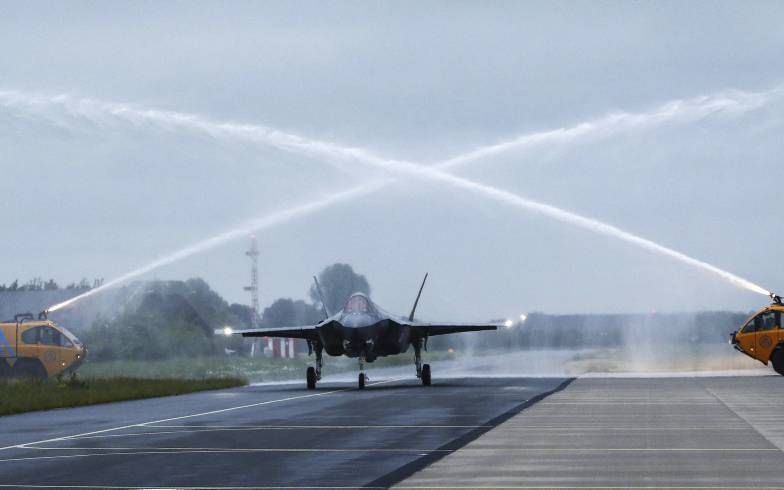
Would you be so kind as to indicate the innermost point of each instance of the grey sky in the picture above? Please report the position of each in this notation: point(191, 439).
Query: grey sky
point(408, 81)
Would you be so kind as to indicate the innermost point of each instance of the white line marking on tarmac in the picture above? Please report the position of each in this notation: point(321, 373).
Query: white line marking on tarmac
point(523, 487)
point(198, 429)
point(262, 427)
point(212, 412)
point(181, 451)
point(142, 451)
point(247, 449)
point(116, 487)
point(621, 429)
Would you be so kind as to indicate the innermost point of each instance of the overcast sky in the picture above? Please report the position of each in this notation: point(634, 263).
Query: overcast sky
point(408, 80)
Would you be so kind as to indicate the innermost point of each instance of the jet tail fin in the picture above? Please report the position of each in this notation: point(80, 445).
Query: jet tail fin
point(321, 297)
point(416, 302)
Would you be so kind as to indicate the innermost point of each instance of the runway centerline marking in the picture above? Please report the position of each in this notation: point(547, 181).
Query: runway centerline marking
point(183, 417)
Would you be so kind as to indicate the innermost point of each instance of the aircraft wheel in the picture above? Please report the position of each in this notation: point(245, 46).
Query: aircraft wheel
point(778, 360)
point(361, 381)
point(426, 375)
point(311, 378)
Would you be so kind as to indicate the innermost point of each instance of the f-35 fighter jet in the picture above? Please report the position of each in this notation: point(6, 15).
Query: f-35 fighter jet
point(365, 331)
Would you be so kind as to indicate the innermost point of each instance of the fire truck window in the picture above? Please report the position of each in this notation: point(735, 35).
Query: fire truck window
point(768, 321)
point(64, 342)
point(50, 336)
point(32, 336)
point(778, 319)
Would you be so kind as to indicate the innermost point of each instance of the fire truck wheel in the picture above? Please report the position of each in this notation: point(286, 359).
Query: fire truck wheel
point(311, 378)
point(29, 368)
point(5, 369)
point(778, 359)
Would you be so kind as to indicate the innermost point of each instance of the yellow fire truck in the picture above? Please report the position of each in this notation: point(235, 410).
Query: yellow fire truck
point(762, 336)
point(38, 348)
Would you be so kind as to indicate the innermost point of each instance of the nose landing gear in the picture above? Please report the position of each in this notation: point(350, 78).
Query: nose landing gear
point(362, 379)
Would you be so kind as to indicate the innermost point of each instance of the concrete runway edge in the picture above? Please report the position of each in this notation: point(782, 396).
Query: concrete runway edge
point(409, 469)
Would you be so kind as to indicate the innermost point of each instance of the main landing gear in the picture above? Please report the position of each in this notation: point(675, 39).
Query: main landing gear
point(313, 375)
point(422, 370)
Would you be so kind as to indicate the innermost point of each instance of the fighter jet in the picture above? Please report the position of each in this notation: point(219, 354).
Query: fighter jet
point(363, 330)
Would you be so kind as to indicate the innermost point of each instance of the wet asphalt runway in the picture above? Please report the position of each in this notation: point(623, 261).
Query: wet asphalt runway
point(723, 432)
point(720, 432)
point(262, 436)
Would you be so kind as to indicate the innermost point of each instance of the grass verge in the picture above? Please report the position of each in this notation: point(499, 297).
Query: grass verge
point(18, 396)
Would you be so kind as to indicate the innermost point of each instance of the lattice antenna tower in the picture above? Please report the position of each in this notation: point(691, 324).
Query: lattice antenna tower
point(253, 253)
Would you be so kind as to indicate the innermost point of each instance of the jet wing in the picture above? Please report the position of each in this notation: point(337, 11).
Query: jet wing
point(307, 332)
point(430, 329)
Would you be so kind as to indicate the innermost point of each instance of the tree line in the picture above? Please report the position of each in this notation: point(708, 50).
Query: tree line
point(38, 284)
point(178, 318)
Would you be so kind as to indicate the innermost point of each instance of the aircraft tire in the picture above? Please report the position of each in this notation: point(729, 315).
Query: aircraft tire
point(311, 378)
point(361, 381)
point(778, 359)
point(426, 375)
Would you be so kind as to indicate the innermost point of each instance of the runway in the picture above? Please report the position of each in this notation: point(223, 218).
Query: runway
point(683, 432)
point(707, 432)
point(261, 436)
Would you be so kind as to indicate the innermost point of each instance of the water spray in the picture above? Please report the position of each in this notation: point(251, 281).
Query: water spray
point(694, 108)
point(682, 111)
point(237, 232)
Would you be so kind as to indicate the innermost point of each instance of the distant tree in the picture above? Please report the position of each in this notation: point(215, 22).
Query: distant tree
point(34, 284)
point(338, 283)
point(168, 319)
point(50, 285)
point(242, 315)
point(14, 286)
point(83, 284)
point(286, 312)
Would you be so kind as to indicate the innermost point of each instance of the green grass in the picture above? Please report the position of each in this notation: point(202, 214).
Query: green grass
point(17, 396)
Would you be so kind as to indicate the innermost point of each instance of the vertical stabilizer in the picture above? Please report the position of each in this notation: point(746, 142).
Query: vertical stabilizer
point(321, 297)
point(416, 302)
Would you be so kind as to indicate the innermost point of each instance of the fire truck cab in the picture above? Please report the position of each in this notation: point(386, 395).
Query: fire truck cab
point(762, 336)
point(37, 348)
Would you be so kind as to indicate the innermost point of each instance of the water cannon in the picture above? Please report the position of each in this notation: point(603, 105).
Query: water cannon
point(44, 315)
point(776, 298)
